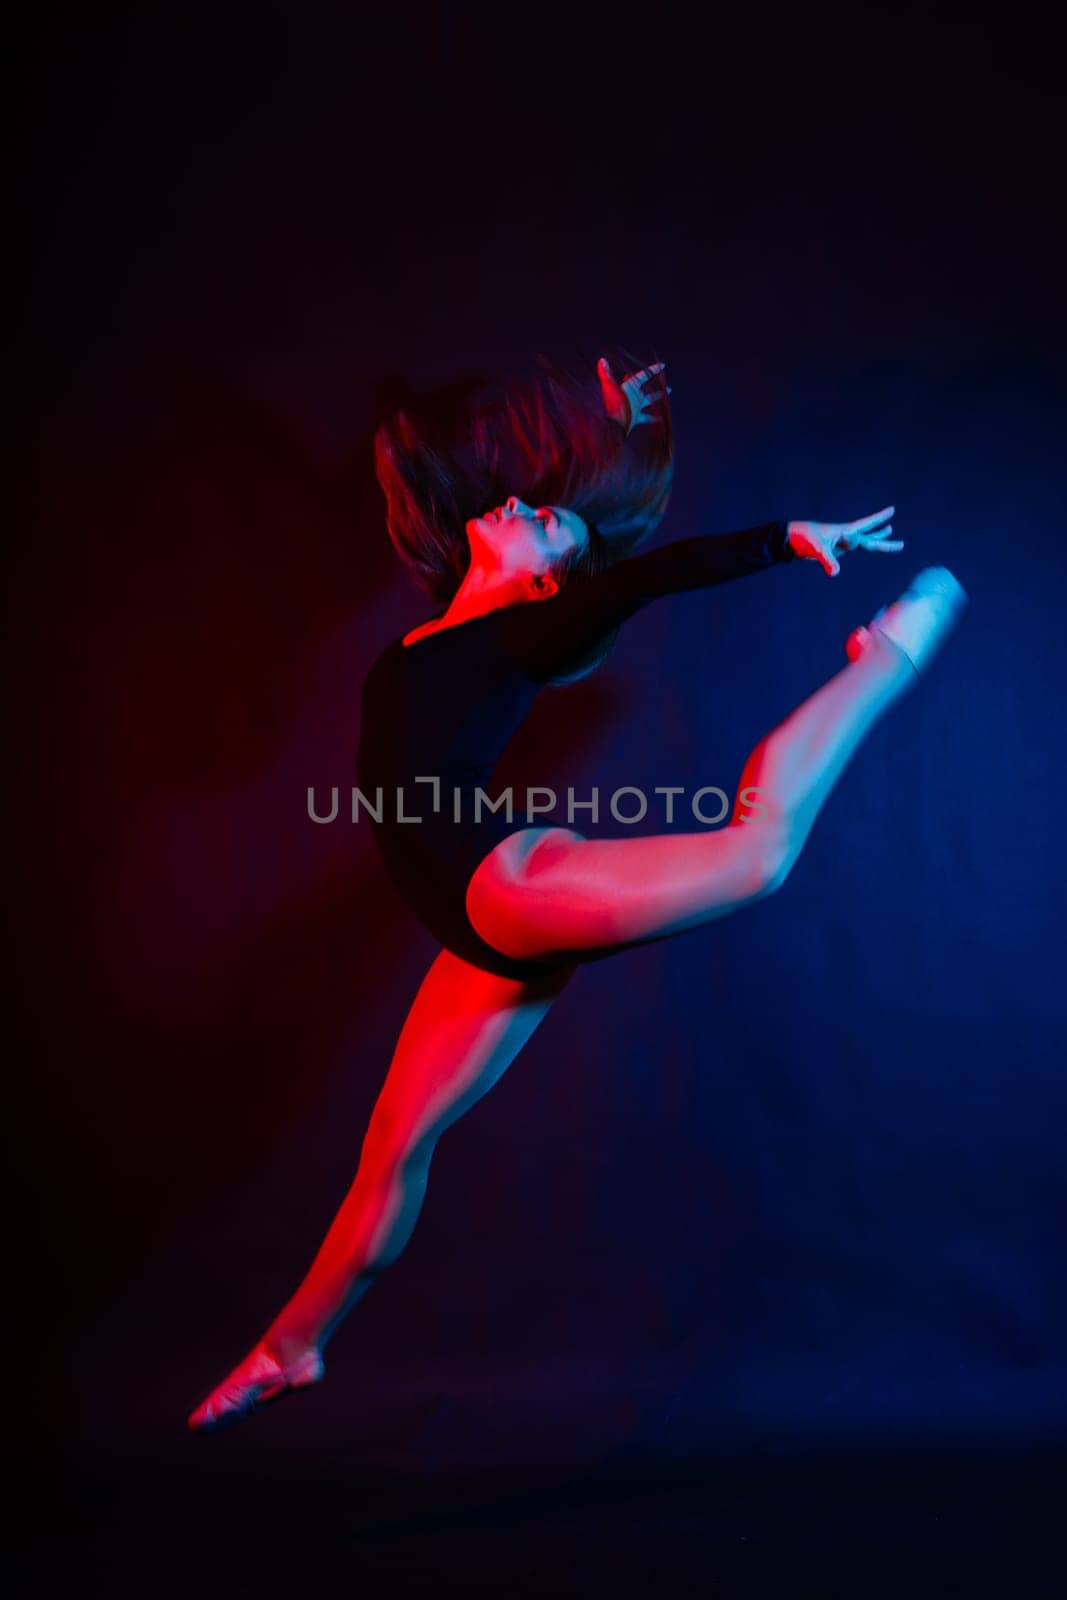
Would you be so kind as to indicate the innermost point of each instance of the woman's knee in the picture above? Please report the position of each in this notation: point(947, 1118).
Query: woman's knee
point(506, 890)
point(498, 909)
point(774, 851)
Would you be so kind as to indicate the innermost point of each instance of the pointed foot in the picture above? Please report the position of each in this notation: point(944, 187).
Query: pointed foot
point(919, 622)
point(255, 1382)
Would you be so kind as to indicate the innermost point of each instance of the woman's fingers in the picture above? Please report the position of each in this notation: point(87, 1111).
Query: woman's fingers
point(629, 402)
point(646, 374)
point(852, 540)
point(879, 540)
point(875, 520)
point(641, 376)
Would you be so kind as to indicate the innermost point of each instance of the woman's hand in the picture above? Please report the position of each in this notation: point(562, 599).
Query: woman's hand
point(825, 541)
point(627, 402)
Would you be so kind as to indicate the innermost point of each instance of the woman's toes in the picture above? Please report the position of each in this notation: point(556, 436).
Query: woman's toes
point(916, 625)
point(258, 1379)
point(920, 621)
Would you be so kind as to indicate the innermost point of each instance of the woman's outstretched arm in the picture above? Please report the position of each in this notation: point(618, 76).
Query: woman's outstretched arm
point(543, 636)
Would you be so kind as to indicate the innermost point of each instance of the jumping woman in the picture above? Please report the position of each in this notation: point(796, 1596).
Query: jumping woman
point(520, 513)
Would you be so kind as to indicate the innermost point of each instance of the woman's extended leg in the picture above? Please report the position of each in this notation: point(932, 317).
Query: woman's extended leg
point(464, 1029)
point(554, 892)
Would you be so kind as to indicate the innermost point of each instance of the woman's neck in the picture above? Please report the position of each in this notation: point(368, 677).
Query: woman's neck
point(486, 587)
point(480, 592)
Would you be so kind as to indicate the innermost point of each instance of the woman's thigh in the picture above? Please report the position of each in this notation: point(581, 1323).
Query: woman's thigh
point(551, 893)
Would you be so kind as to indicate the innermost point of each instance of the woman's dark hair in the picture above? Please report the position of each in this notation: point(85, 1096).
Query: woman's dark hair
point(444, 458)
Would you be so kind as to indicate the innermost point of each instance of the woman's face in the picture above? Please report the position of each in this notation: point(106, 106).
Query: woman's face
point(517, 538)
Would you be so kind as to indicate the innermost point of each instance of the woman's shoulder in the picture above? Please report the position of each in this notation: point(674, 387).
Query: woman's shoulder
point(423, 650)
point(421, 632)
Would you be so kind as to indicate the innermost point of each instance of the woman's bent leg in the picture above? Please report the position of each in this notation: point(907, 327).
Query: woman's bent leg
point(568, 894)
point(465, 1028)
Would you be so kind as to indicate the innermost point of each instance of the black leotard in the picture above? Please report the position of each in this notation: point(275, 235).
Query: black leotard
point(445, 707)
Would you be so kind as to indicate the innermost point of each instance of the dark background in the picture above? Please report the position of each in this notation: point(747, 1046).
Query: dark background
point(789, 1183)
